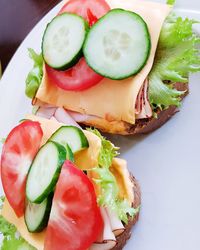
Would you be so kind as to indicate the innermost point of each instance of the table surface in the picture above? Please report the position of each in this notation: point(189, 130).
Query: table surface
point(17, 18)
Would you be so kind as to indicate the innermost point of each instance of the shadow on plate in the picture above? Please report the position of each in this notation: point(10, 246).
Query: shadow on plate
point(125, 143)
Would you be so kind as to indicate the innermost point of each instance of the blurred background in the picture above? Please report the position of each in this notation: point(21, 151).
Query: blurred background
point(17, 18)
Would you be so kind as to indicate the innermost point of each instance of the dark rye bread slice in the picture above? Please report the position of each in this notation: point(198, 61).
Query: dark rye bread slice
point(145, 126)
point(142, 126)
point(122, 238)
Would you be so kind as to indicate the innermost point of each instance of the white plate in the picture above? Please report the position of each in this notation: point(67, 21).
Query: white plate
point(166, 162)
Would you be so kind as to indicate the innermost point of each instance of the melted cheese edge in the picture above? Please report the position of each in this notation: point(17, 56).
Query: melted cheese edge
point(111, 99)
point(120, 170)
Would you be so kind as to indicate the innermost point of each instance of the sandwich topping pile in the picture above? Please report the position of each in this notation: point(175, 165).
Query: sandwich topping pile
point(116, 65)
point(64, 189)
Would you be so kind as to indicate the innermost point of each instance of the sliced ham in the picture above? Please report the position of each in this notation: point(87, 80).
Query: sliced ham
point(78, 117)
point(46, 112)
point(106, 245)
point(147, 105)
point(139, 101)
point(36, 102)
point(107, 240)
point(53, 119)
point(58, 114)
point(107, 231)
point(116, 224)
point(143, 107)
point(62, 116)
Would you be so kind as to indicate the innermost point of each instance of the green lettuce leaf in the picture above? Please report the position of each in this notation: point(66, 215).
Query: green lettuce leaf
point(108, 150)
point(171, 2)
point(108, 185)
point(12, 239)
point(109, 196)
point(177, 55)
point(123, 209)
point(34, 77)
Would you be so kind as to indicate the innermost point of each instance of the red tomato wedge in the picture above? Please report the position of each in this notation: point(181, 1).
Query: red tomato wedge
point(80, 76)
point(75, 220)
point(18, 152)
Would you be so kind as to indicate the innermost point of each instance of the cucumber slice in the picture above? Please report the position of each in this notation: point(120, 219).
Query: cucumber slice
point(63, 41)
point(69, 153)
point(44, 171)
point(37, 215)
point(72, 136)
point(118, 45)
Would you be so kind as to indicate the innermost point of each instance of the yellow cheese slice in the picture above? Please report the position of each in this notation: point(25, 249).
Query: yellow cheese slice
point(111, 100)
point(36, 239)
point(120, 171)
point(85, 159)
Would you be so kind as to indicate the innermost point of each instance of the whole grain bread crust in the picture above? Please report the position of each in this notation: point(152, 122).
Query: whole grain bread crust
point(122, 239)
point(142, 126)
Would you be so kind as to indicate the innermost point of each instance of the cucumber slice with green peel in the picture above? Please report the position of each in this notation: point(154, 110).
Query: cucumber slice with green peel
point(37, 215)
point(44, 171)
point(72, 136)
point(69, 154)
point(118, 44)
point(63, 41)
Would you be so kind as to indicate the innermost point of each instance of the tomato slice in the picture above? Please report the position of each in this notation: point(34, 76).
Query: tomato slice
point(81, 76)
point(75, 220)
point(18, 152)
point(97, 8)
point(91, 17)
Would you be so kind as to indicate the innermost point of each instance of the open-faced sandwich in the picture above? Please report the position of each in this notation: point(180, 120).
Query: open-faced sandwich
point(64, 189)
point(120, 66)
